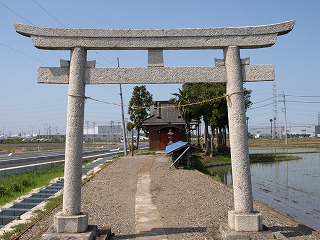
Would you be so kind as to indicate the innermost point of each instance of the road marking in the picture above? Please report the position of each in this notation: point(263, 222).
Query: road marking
point(112, 150)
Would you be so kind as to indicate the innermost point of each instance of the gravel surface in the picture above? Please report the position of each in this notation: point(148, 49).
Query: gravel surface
point(192, 205)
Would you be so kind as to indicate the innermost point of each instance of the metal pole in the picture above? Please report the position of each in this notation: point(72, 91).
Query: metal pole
point(271, 128)
point(123, 123)
point(285, 120)
point(179, 157)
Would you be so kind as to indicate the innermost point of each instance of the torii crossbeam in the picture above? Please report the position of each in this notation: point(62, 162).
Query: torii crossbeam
point(231, 70)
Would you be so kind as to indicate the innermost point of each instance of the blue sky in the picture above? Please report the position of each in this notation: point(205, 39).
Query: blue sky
point(26, 106)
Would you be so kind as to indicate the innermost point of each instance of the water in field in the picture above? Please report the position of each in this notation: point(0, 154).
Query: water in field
point(292, 187)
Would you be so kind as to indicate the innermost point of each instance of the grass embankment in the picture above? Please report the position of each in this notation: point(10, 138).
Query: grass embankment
point(12, 187)
point(221, 163)
point(221, 160)
point(279, 143)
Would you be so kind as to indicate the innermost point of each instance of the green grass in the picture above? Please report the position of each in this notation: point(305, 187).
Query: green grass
point(198, 164)
point(16, 229)
point(14, 186)
point(260, 158)
point(44, 177)
point(254, 158)
point(52, 202)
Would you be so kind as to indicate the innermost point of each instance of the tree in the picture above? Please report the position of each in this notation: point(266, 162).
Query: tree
point(188, 99)
point(183, 99)
point(139, 108)
point(130, 128)
point(211, 106)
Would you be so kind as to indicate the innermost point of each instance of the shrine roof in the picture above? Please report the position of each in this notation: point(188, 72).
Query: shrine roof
point(164, 113)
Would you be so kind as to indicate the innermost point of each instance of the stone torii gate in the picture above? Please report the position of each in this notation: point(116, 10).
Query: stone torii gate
point(232, 70)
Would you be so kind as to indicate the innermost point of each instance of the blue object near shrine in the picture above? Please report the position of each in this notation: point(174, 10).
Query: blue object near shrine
point(177, 146)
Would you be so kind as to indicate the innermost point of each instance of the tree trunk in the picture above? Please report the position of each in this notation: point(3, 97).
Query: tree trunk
point(225, 137)
point(138, 137)
point(132, 143)
point(198, 135)
point(188, 132)
point(220, 138)
point(212, 141)
point(206, 136)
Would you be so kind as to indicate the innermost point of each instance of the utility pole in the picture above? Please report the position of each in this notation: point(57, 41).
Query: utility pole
point(87, 138)
point(285, 120)
point(94, 131)
point(275, 110)
point(271, 128)
point(123, 123)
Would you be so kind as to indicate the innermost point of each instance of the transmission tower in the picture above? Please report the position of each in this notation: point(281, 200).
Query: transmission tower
point(318, 118)
point(275, 111)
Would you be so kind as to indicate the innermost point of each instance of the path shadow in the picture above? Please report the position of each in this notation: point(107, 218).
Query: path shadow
point(298, 231)
point(162, 231)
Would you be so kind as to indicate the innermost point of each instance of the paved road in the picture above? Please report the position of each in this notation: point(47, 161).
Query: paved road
point(27, 158)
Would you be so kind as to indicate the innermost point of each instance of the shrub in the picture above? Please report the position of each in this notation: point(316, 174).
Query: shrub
point(27, 183)
point(3, 191)
point(16, 187)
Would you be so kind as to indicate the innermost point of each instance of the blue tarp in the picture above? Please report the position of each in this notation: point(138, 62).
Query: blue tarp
point(176, 146)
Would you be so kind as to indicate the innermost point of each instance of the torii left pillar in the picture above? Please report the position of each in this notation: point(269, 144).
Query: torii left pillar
point(71, 219)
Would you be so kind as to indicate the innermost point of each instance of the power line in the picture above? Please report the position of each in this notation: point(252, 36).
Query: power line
point(24, 54)
point(14, 48)
point(261, 106)
point(263, 100)
point(16, 13)
point(49, 14)
point(302, 96)
point(105, 59)
point(301, 101)
point(66, 27)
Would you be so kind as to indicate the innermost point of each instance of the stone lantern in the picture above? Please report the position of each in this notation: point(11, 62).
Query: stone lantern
point(170, 136)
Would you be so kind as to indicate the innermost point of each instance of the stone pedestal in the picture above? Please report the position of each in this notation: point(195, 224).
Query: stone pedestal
point(70, 224)
point(89, 234)
point(228, 234)
point(245, 222)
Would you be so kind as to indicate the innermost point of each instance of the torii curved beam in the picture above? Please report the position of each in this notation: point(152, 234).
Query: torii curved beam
point(143, 39)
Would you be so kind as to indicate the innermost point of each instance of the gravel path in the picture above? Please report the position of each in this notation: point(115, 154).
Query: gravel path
point(191, 205)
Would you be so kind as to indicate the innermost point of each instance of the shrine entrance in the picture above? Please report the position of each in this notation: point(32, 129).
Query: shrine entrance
point(232, 69)
point(169, 134)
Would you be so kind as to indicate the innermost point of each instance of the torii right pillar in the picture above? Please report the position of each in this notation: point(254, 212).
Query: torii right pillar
point(243, 217)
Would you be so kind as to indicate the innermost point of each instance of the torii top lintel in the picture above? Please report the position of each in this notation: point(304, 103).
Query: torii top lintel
point(143, 39)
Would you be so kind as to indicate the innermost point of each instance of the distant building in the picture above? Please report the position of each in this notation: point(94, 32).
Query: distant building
point(294, 131)
point(317, 131)
point(103, 133)
point(109, 129)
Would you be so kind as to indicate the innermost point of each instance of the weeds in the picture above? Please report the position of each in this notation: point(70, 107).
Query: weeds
point(15, 186)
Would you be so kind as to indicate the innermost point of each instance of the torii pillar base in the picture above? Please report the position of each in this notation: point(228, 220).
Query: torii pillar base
point(245, 222)
point(228, 234)
point(92, 232)
point(71, 224)
point(73, 227)
point(89, 234)
point(245, 226)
